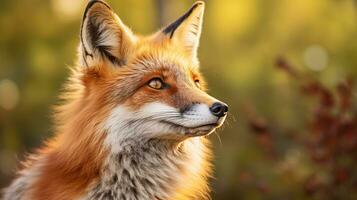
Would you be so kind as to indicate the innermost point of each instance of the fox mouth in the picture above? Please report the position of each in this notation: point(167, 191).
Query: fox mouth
point(200, 130)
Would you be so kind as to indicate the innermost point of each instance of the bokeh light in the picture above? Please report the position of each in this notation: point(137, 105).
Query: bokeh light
point(9, 94)
point(316, 57)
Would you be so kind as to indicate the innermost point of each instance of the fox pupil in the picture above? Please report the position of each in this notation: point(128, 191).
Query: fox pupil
point(197, 82)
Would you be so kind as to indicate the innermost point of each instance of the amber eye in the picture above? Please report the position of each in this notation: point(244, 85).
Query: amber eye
point(156, 83)
point(197, 82)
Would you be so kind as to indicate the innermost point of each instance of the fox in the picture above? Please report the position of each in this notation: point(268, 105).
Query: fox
point(133, 119)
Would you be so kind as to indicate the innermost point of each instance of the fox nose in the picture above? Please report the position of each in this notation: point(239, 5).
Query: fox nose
point(219, 109)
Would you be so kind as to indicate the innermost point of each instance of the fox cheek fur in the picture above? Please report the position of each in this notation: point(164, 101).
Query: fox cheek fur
point(133, 119)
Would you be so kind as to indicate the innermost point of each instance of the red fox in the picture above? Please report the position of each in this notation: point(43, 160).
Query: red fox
point(134, 118)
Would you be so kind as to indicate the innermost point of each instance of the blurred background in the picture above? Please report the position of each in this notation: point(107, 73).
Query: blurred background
point(286, 68)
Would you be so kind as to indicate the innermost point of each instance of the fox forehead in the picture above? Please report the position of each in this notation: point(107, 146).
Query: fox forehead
point(165, 60)
point(149, 58)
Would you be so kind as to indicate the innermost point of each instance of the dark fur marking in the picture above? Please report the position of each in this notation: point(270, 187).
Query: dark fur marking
point(108, 195)
point(104, 50)
point(147, 183)
point(126, 173)
point(134, 163)
point(172, 27)
point(134, 191)
point(195, 25)
point(115, 178)
point(120, 157)
point(158, 198)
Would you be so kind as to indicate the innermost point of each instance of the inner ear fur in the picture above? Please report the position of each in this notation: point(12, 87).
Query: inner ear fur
point(103, 35)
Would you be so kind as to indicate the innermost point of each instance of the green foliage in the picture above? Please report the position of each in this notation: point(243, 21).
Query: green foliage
point(241, 42)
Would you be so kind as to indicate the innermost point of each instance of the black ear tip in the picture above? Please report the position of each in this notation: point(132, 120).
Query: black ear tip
point(96, 1)
point(91, 3)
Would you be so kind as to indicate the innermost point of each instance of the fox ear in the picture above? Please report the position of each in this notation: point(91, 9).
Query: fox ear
point(187, 29)
point(103, 35)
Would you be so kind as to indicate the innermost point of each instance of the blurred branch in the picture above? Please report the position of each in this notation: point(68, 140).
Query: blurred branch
point(331, 131)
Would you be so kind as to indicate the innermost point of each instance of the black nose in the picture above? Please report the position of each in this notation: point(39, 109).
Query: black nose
point(219, 109)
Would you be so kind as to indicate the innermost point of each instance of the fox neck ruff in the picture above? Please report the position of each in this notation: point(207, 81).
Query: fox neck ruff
point(154, 169)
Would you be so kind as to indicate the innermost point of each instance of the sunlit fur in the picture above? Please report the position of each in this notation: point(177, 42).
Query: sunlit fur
point(117, 138)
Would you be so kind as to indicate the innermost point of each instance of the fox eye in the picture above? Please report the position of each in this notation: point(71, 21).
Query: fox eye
point(197, 83)
point(156, 83)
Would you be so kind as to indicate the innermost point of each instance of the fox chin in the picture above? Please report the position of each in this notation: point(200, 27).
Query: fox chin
point(134, 118)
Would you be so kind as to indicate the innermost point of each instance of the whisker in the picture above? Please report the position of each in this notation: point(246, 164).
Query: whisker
point(219, 138)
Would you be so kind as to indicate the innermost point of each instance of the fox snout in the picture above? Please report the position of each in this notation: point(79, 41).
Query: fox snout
point(218, 109)
point(203, 114)
point(208, 109)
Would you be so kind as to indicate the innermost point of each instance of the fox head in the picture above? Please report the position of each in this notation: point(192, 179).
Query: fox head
point(146, 87)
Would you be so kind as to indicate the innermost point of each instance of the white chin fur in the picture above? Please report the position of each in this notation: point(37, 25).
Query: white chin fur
point(156, 120)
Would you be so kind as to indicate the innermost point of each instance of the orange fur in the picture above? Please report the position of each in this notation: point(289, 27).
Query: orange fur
point(74, 158)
